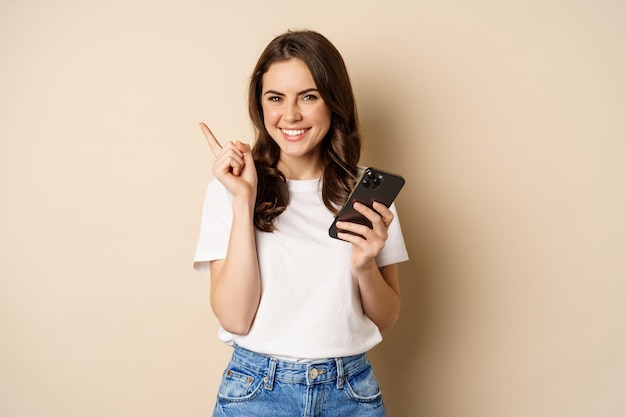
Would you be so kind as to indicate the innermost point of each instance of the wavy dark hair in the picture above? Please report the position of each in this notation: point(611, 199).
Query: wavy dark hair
point(340, 149)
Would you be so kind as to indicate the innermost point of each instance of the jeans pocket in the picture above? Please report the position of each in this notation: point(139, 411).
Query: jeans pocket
point(362, 385)
point(239, 384)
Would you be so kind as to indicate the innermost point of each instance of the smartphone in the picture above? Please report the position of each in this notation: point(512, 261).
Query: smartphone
point(374, 185)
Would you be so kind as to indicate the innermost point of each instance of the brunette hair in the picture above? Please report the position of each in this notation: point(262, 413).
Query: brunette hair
point(341, 148)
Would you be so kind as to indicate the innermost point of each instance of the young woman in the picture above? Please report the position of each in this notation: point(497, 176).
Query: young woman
point(300, 308)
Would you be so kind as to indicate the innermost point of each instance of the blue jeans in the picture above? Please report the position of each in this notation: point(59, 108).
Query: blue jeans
point(256, 385)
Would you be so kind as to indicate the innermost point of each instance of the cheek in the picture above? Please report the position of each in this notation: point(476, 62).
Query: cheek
point(325, 118)
point(270, 117)
point(323, 114)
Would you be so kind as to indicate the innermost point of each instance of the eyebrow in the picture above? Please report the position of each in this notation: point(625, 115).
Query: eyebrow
point(277, 93)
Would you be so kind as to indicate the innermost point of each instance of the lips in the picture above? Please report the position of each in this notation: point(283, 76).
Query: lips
point(294, 135)
point(293, 132)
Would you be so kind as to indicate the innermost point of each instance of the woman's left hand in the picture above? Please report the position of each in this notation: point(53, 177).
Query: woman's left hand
point(366, 243)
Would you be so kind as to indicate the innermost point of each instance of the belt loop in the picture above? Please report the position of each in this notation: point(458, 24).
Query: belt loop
point(340, 374)
point(271, 373)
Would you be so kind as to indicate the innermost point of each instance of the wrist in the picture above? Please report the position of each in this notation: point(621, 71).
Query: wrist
point(367, 269)
point(244, 203)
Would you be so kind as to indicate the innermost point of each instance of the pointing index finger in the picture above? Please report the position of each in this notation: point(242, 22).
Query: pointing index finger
point(210, 138)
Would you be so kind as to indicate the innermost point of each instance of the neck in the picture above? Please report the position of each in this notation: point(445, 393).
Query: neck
point(297, 170)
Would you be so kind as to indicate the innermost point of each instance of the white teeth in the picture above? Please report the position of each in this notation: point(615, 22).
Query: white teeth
point(293, 132)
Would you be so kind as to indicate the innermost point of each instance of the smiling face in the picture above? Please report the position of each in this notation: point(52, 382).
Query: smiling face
point(295, 116)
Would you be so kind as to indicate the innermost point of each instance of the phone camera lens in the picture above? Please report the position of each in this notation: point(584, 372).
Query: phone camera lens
point(366, 182)
point(377, 180)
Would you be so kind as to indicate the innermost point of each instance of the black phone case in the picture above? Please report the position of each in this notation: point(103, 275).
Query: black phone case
point(374, 185)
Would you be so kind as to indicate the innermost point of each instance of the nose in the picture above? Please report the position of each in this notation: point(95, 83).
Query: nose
point(292, 113)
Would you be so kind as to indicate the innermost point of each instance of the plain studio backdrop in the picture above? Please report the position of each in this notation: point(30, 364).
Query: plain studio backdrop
point(507, 119)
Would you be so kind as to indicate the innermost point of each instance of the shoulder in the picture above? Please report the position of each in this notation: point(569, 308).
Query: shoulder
point(217, 194)
point(216, 188)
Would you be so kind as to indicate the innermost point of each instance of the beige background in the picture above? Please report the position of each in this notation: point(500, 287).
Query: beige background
point(506, 117)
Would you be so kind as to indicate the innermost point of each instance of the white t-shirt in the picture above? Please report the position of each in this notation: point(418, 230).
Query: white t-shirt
point(310, 304)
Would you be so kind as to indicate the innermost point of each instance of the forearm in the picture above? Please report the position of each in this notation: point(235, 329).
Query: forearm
point(236, 284)
point(380, 294)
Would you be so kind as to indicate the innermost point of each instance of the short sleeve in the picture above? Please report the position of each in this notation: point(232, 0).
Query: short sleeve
point(395, 249)
point(217, 218)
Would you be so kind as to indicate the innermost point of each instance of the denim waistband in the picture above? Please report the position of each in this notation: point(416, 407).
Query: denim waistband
point(309, 373)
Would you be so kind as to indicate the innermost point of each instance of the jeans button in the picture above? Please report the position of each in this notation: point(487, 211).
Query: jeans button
point(314, 373)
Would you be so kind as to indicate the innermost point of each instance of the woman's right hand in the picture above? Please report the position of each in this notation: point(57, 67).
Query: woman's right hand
point(233, 165)
point(235, 280)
